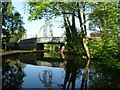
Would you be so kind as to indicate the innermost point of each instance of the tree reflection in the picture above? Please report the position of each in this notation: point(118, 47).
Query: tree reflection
point(104, 78)
point(85, 76)
point(73, 71)
point(12, 74)
point(46, 78)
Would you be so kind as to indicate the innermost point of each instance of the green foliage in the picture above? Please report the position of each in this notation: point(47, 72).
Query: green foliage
point(48, 10)
point(105, 17)
point(104, 12)
point(67, 10)
point(95, 49)
point(12, 24)
point(107, 54)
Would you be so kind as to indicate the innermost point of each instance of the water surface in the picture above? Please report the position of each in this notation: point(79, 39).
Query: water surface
point(32, 71)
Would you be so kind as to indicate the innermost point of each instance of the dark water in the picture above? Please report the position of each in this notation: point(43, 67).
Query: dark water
point(31, 71)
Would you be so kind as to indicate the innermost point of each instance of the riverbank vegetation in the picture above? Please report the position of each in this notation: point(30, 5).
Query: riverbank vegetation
point(107, 50)
point(102, 17)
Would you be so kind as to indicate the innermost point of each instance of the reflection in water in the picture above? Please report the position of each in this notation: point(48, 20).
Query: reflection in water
point(71, 74)
point(90, 77)
point(12, 74)
point(47, 78)
point(73, 71)
point(100, 77)
point(85, 76)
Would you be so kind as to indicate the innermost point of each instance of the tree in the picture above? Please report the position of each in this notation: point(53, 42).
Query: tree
point(12, 24)
point(76, 42)
point(105, 17)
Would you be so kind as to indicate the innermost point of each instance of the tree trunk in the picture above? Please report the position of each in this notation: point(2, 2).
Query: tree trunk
point(83, 30)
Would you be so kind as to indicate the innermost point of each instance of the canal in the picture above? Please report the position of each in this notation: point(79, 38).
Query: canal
point(25, 71)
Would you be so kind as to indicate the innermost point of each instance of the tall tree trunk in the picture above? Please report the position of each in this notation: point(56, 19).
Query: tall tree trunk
point(84, 19)
point(67, 27)
point(73, 27)
point(83, 30)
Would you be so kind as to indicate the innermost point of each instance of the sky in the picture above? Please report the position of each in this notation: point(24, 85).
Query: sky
point(33, 27)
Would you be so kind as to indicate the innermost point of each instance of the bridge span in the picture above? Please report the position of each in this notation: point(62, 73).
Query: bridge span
point(38, 43)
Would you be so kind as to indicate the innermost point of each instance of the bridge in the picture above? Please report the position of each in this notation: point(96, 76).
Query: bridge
point(38, 43)
point(50, 40)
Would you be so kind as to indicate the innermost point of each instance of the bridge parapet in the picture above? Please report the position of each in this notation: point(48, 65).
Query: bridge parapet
point(30, 40)
point(50, 39)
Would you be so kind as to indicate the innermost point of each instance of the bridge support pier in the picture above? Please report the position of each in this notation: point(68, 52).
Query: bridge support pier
point(40, 46)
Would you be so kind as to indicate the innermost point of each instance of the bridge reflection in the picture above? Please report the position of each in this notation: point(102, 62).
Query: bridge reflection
point(36, 59)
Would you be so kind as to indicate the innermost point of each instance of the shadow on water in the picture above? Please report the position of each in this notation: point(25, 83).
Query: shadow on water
point(32, 71)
